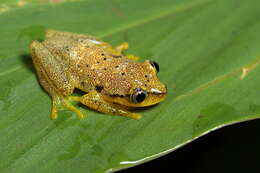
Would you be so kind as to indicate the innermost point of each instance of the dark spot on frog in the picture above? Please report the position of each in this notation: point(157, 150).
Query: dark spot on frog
point(118, 95)
point(146, 76)
point(82, 83)
point(116, 66)
point(67, 48)
point(98, 62)
point(102, 54)
point(105, 59)
point(105, 68)
point(123, 74)
point(148, 80)
point(87, 65)
point(99, 88)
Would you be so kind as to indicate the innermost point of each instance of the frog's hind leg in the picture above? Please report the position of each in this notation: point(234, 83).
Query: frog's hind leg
point(54, 79)
point(95, 101)
point(59, 101)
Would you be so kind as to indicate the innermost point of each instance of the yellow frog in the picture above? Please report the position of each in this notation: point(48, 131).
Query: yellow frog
point(114, 83)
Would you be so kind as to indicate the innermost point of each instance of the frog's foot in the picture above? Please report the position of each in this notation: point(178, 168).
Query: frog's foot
point(95, 101)
point(66, 102)
point(123, 46)
point(132, 57)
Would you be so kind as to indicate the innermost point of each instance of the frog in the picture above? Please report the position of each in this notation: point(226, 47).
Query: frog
point(112, 82)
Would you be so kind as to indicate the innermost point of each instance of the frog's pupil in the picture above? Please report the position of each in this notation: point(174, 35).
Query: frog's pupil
point(140, 97)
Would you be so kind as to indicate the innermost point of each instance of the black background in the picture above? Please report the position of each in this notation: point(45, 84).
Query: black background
point(234, 148)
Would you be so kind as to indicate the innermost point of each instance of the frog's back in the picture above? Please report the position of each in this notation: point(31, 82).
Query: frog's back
point(105, 70)
point(96, 65)
point(112, 73)
point(93, 62)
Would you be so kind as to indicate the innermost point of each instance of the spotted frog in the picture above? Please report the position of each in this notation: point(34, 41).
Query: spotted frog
point(113, 83)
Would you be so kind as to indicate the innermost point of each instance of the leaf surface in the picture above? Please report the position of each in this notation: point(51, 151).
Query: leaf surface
point(209, 58)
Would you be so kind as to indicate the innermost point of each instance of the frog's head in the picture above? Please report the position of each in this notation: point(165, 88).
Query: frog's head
point(140, 86)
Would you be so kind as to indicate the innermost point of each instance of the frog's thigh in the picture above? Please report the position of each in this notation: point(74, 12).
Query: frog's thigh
point(95, 101)
point(53, 75)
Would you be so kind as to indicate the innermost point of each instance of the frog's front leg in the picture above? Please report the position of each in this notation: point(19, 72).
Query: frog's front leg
point(95, 101)
point(124, 46)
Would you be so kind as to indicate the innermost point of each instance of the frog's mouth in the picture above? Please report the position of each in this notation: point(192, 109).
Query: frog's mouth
point(151, 99)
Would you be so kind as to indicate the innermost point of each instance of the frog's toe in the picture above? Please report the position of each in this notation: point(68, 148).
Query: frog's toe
point(134, 116)
point(132, 57)
point(54, 112)
point(123, 46)
point(64, 102)
point(72, 108)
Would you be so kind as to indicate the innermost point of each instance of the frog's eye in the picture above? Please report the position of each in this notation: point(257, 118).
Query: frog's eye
point(155, 65)
point(138, 95)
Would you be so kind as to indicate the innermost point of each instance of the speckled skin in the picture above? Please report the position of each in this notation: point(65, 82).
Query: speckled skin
point(65, 61)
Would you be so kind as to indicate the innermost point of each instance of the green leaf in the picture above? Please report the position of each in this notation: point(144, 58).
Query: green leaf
point(209, 58)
